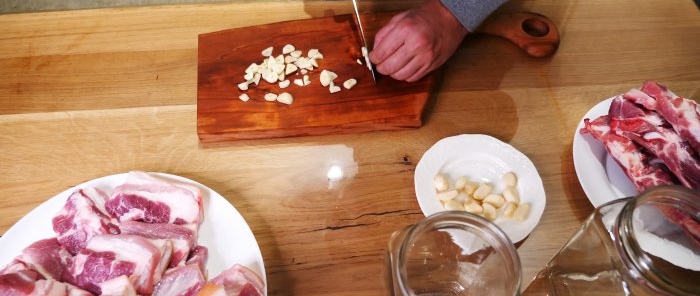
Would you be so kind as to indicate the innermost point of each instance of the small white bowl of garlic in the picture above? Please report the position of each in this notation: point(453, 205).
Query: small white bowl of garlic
point(484, 176)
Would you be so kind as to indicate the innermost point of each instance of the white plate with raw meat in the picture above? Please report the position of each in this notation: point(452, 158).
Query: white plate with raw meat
point(481, 158)
point(223, 230)
point(600, 176)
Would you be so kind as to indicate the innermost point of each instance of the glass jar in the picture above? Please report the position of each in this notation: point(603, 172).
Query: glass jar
point(647, 245)
point(452, 253)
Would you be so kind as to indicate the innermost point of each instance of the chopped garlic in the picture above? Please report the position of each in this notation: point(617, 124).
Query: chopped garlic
point(283, 83)
point(359, 62)
point(296, 53)
point(285, 98)
point(267, 52)
point(252, 68)
point(288, 49)
point(270, 97)
point(289, 59)
point(299, 82)
point(315, 54)
point(306, 80)
point(326, 77)
point(248, 76)
point(348, 84)
point(333, 88)
point(244, 97)
point(291, 68)
point(243, 86)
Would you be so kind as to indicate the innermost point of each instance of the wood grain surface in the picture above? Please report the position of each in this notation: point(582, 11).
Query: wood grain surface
point(90, 93)
point(223, 57)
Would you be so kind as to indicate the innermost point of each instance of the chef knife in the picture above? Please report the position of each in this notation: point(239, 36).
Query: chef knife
point(365, 51)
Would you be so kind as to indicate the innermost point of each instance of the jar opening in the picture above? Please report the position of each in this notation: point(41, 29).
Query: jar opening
point(658, 242)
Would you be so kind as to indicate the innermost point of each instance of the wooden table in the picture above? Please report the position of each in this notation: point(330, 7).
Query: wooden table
point(84, 94)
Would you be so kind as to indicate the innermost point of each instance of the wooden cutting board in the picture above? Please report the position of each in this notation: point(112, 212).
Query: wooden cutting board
point(224, 56)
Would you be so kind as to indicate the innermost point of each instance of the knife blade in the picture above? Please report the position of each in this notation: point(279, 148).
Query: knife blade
point(365, 51)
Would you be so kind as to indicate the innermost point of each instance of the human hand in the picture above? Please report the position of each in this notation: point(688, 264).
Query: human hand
point(417, 41)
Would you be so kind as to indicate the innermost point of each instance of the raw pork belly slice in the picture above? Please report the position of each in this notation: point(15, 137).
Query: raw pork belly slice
point(647, 129)
point(48, 258)
point(238, 280)
point(682, 114)
point(637, 165)
point(109, 256)
point(182, 237)
point(147, 198)
point(82, 217)
point(184, 280)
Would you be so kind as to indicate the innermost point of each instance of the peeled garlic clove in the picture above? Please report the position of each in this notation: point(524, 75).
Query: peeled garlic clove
point(267, 52)
point(288, 49)
point(348, 84)
point(496, 200)
point(270, 97)
point(470, 187)
point(511, 194)
point(509, 209)
point(452, 205)
point(509, 179)
point(441, 182)
point(447, 195)
point(461, 182)
point(474, 208)
point(285, 98)
point(489, 211)
point(482, 191)
point(244, 97)
point(522, 212)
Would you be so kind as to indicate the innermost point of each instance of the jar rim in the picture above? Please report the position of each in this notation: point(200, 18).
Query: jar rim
point(642, 266)
point(485, 229)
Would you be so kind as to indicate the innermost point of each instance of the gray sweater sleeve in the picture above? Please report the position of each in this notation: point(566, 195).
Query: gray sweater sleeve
point(471, 13)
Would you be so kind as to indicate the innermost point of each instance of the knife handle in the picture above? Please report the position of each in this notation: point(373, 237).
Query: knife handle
point(536, 34)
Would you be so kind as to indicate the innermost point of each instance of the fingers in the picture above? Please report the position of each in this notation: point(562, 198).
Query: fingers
point(386, 41)
point(407, 70)
point(384, 31)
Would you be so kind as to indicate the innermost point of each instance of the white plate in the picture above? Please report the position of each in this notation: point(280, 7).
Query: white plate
point(600, 176)
point(223, 230)
point(481, 158)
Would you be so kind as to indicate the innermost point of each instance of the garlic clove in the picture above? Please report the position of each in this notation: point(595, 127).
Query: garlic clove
point(288, 49)
point(267, 52)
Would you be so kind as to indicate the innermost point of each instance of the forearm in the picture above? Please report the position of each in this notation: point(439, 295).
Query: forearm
point(471, 13)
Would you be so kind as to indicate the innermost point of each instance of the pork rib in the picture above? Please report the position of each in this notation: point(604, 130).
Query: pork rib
point(682, 114)
point(637, 165)
point(108, 256)
point(82, 217)
point(182, 237)
point(648, 130)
